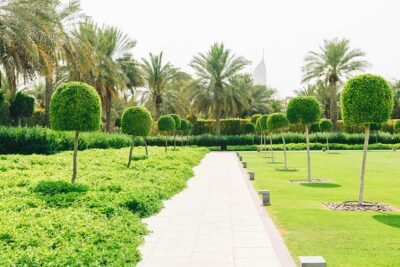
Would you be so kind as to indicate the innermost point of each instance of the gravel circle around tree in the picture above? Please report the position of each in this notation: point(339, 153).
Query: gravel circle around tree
point(312, 181)
point(354, 206)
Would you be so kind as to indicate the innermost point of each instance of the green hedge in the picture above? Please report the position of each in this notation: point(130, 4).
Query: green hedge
point(39, 140)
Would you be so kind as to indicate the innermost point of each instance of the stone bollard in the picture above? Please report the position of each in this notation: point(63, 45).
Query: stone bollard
point(251, 175)
point(237, 154)
point(244, 164)
point(312, 261)
point(265, 197)
point(240, 158)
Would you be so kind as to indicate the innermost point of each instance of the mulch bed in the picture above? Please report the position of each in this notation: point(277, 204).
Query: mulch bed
point(312, 181)
point(354, 206)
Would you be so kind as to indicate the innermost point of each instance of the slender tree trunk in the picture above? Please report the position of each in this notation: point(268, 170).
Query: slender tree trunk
point(333, 106)
point(174, 140)
point(47, 98)
point(308, 154)
point(265, 146)
point(145, 145)
point(108, 112)
point(261, 142)
point(271, 147)
point(364, 164)
point(157, 115)
point(284, 150)
point(166, 144)
point(188, 143)
point(75, 156)
point(130, 151)
point(327, 143)
point(182, 137)
point(19, 122)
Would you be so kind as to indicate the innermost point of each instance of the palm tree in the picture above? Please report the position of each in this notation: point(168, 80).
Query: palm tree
point(334, 61)
point(157, 76)
point(215, 71)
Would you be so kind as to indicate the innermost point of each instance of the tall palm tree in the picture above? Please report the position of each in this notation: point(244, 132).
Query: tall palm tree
point(157, 76)
point(215, 71)
point(334, 61)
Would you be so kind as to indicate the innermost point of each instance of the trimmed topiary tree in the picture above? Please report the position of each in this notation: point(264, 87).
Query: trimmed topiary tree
point(177, 120)
point(304, 110)
point(314, 128)
point(166, 125)
point(254, 118)
point(75, 106)
point(326, 126)
point(184, 129)
point(278, 122)
point(22, 107)
point(136, 121)
point(250, 128)
point(396, 126)
point(366, 99)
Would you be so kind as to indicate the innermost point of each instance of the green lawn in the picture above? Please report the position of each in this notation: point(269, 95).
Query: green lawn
point(95, 223)
point(343, 238)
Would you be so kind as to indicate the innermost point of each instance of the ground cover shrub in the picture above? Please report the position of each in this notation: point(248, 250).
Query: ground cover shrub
point(96, 229)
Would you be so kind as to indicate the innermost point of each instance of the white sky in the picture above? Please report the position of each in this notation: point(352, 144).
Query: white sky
point(286, 29)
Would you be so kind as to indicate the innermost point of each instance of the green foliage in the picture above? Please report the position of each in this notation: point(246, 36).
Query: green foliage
point(375, 127)
point(85, 228)
point(249, 128)
point(166, 123)
point(366, 99)
point(22, 106)
point(255, 117)
point(118, 122)
point(136, 121)
point(325, 125)
point(177, 120)
point(185, 126)
point(314, 128)
point(75, 106)
point(263, 123)
point(277, 122)
point(396, 126)
point(228, 126)
point(4, 113)
point(304, 110)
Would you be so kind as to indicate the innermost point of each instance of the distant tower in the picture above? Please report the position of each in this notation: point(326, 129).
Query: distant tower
point(260, 73)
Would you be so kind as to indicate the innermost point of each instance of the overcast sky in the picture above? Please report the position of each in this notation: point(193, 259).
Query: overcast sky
point(286, 29)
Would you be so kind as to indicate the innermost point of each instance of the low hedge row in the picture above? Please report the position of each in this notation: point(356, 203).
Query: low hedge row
point(39, 140)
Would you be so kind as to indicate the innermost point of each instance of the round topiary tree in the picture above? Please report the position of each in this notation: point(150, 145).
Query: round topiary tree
point(249, 128)
point(75, 106)
point(326, 126)
point(22, 107)
point(136, 121)
point(166, 125)
point(396, 126)
point(254, 118)
point(366, 99)
point(177, 120)
point(304, 110)
point(184, 129)
point(314, 128)
point(278, 122)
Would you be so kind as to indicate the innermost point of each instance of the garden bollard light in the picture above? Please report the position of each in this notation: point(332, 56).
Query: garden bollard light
point(312, 261)
point(244, 163)
point(251, 175)
point(265, 197)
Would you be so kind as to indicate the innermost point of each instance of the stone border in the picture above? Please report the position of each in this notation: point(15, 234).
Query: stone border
point(278, 243)
point(313, 181)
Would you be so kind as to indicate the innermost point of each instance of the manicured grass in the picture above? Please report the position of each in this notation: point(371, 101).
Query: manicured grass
point(343, 238)
point(45, 221)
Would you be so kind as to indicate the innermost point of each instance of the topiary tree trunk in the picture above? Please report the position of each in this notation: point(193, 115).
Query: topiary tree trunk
point(174, 140)
point(327, 143)
point(271, 147)
point(265, 145)
point(166, 143)
point(75, 157)
point(145, 145)
point(308, 153)
point(130, 152)
point(284, 150)
point(364, 164)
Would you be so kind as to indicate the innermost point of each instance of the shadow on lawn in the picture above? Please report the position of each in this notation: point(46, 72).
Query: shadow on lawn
point(142, 157)
point(321, 185)
point(388, 219)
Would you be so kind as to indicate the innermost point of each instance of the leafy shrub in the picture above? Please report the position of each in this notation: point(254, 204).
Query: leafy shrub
point(315, 128)
point(75, 106)
point(185, 127)
point(118, 122)
point(325, 125)
point(177, 120)
point(22, 106)
point(166, 123)
point(396, 126)
point(263, 122)
point(249, 128)
point(255, 117)
point(144, 203)
point(304, 110)
point(277, 122)
point(37, 119)
point(136, 121)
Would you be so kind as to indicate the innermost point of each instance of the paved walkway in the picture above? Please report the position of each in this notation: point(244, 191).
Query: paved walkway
point(216, 222)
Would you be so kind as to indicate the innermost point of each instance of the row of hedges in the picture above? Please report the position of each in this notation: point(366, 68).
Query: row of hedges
point(236, 127)
point(39, 140)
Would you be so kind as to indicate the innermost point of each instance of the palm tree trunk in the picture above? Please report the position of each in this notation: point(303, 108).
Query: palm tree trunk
point(333, 106)
point(364, 164)
point(145, 145)
point(47, 97)
point(284, 150)
point(308, 154)
point(157, 111)
point(218, 125)
point(271, 147)
point(108, 112)
point(75, 156)
point(130, 152)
